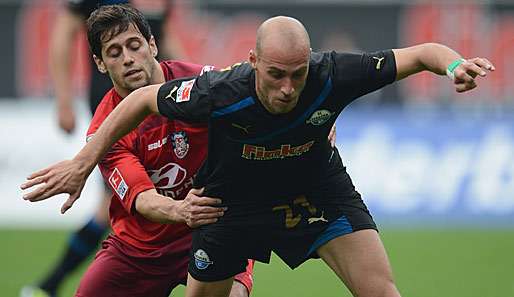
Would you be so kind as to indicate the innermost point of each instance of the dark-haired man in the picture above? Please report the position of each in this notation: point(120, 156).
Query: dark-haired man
point(68, 25)
point(150, 171)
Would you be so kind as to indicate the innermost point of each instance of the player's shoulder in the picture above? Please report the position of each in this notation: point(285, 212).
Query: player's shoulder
point(331, 59)
point(231, 84)
point(236, 73)
point(176, 69)
point(110, 100)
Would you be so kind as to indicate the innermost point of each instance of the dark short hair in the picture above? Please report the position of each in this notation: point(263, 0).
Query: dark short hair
point(107, 21)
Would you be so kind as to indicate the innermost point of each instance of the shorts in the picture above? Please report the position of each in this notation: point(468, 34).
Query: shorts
point(293, 229)
point(114, 273)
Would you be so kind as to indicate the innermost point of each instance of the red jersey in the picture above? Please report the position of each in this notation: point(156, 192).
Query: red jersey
point(160, 153)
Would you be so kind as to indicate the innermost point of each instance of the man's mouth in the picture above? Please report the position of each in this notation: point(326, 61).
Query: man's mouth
point(132, 72)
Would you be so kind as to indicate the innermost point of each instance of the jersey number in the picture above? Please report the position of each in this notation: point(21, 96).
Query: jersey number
point(291, 220)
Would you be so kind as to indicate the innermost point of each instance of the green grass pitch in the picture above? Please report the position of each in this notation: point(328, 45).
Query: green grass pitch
point(427, 263)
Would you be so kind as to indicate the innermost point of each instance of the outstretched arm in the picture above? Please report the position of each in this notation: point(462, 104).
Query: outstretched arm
point(67, 26)
point(438, 58)
point(70, 176)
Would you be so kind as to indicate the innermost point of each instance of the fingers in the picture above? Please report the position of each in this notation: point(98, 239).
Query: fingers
point(462, 76)
point(483, 63)
point(197, 192)
point(473, 70)
point(32, 182)
point(205, 201)
point(36, 194)
point(195, 199)
point(460, 88)
point(208, 213)
point(39, 173)
point(202, 222)
point(466, 73)
point(201, 215)
point(69, 203)
point(332, 136)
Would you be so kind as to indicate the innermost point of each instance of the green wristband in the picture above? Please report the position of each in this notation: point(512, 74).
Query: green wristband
point(452, 66)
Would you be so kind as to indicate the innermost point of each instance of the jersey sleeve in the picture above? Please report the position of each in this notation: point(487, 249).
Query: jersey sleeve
point(120, 167)
point(359, 74)
point(186, 99)
point(125, 175)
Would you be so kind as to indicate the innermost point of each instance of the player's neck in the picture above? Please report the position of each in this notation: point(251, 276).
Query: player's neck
point(157, 76)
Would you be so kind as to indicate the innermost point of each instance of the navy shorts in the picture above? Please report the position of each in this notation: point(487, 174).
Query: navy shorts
point(293, 228)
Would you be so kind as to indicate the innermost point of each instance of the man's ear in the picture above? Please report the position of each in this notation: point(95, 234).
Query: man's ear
point(153, 47)
point(100, 64)
point(252, 58)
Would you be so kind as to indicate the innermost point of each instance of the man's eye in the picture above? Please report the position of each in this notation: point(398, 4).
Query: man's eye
point(135, 45)
point(298, 75)
point(276, 75)
point(114, 54)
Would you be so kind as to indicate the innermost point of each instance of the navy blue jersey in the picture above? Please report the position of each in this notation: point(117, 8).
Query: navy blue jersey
point(256, 157)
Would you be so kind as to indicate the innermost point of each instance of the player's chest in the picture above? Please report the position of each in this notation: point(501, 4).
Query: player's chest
point(257, 127)
point(172, 142)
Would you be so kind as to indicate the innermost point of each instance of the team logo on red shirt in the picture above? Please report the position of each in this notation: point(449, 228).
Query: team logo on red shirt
point(180, 143)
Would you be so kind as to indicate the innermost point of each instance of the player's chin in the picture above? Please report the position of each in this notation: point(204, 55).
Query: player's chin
point(136, 84)
point(284, 106)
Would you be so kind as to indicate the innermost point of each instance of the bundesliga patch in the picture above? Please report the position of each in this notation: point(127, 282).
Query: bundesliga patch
point(202, 260)
point(180, 144)
point(184, 91)
point(118, 183)
point(319, 117)
point(206, 68)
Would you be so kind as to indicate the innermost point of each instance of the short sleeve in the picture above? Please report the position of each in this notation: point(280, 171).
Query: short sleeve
point(360, 74)
point(185, 99)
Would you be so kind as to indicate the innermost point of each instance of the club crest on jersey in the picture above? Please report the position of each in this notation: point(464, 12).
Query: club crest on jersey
point(180, 144)
point(202, 260)
point(319, 117)
point(184, 91)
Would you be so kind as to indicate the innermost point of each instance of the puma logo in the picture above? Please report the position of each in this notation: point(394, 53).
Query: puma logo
point(171, 93)
point(245, 128)
point(379, 61)
point(320, 219)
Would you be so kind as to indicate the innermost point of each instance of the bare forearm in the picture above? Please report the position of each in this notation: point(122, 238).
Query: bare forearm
point(156, 208)
point(194, 210)
point(123, 119)
point(433, 57)
point(63, 35)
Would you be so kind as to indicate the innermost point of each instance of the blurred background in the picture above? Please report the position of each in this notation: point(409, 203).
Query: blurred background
point(436, 168)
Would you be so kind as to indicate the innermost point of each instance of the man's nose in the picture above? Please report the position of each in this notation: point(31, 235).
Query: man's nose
point(287, 87)
point(128, 58)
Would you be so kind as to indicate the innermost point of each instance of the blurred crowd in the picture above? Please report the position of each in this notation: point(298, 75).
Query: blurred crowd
point(222, 32)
